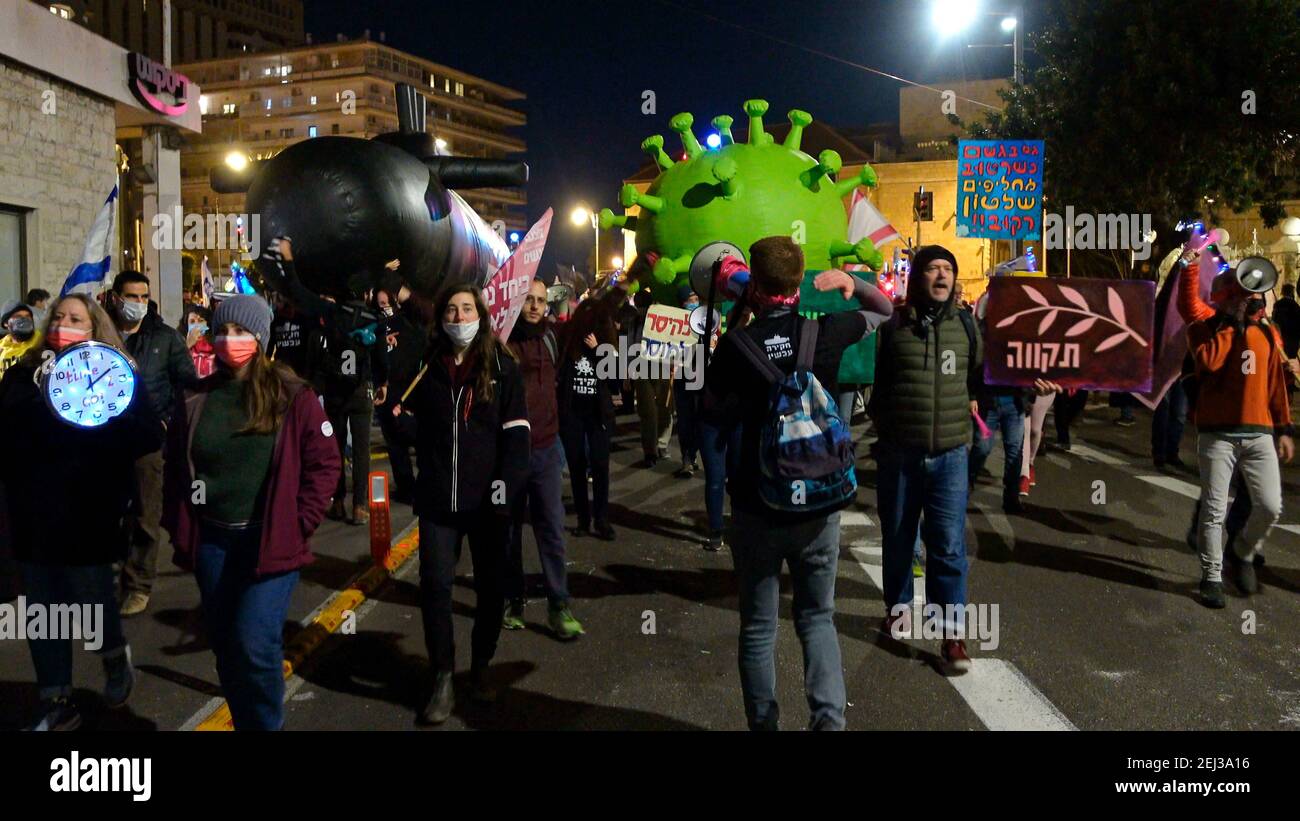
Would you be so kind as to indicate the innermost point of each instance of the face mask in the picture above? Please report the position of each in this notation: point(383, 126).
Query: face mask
point(133, 312)
point(61, 336)
point(462, 333)
point(690, 306)
point(388, 310)
point(22, 328)
point(202, 327)
point(236, 350)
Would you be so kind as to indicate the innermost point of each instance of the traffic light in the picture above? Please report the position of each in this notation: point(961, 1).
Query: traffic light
point(923, 204)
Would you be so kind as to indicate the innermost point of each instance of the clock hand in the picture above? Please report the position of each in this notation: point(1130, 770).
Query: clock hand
point(101, 376)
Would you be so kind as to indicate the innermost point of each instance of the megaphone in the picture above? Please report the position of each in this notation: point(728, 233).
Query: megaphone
point(1256, 274)
point(701, 270)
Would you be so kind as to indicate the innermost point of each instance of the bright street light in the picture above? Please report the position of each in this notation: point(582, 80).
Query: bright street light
point(237, 160)
point(713, 140)
point(581, 215)
point(617, 262)
point(953, 16)
point(1008, 24)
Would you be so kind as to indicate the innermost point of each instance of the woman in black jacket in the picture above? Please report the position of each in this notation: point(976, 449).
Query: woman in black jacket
point(67, 508)
point(472, 447)
point(587, 410)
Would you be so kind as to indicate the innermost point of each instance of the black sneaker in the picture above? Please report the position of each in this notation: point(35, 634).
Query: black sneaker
point(583, 529)
point(647, 462)
point(1176, 463)
point(715, 542)
point(604, 531)
point(56, 715)
point(1212, 594)
point(1245, 577)
point(686, 471)
point(1013, 506)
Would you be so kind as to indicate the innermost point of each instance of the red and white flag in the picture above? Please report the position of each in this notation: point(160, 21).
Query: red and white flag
point(865, 220)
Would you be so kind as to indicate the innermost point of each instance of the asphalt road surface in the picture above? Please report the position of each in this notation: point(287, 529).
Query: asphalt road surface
point(1098, 626)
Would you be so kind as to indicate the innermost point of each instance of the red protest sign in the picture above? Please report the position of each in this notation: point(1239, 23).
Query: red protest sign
point(505, 292)
point(1080, 333)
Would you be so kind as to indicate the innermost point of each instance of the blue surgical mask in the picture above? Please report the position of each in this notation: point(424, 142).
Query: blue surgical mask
point(690, 306)
point(201, 327)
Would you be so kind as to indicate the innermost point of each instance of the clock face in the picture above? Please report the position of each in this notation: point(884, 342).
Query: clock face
point(89, 383)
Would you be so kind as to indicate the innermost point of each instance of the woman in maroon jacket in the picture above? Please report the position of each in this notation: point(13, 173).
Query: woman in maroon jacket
point(251, 468)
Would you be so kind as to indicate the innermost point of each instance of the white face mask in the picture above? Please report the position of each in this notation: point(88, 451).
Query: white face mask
point(462, 333)
point(134, 312)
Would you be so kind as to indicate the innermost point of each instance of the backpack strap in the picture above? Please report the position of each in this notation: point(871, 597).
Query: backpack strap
point(758, 358)
point(548, 338)
point(807, 344)
point(968, 323)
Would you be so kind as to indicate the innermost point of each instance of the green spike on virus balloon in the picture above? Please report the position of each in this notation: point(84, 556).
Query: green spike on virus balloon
point(740, 193)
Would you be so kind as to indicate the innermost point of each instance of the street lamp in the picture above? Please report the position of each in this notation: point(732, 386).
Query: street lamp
point(955, 16)
point(617, 262)
point(237, 160)
point(583, 214)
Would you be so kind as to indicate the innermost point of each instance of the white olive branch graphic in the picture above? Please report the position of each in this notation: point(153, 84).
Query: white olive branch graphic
point(1116, 317)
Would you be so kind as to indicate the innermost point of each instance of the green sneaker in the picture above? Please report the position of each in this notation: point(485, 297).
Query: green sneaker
point(564, 625)
point(514, 615)
point(918, 569)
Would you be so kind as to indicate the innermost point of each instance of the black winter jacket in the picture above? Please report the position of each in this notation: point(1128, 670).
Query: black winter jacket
point(69, 489)
point(162, 362)
point(473, 455)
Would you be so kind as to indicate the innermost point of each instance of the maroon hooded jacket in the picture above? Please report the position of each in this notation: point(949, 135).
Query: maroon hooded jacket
point(305, 467)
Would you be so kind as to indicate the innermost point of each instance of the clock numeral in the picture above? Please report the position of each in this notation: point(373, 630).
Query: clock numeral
point(57, 392)
point(112, 407)
point(84, 354)
point(65, 406)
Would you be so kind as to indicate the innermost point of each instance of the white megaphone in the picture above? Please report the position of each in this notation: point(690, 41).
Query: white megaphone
point(1256, 275)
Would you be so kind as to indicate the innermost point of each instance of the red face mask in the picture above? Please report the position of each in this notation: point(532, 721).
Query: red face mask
point(61, 336)
point(236, 350)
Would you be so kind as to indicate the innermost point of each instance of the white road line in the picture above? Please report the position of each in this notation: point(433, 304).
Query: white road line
point(999, 694)
point(1095, 455)
point(1005, 700)
point(850, 518)
point(1178, 486)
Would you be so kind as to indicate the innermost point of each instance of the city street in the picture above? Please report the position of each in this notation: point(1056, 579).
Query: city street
point(1098, 624)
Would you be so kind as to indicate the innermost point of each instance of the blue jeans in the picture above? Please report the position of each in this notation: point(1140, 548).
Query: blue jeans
point(245, 618)
point(1167, 423)
point(720, 452)
point(908, 483)
point(1001, 415)
point(51, 585)
point(541, 501)
point(688, 421)
point(812, 550)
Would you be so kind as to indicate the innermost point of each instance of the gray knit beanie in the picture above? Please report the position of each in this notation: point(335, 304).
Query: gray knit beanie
point(247, 310)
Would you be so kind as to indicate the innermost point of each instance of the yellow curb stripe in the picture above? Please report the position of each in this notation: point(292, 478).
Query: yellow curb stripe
point(327, 621)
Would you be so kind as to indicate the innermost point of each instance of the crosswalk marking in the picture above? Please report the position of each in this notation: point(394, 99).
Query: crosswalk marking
point(998, 693)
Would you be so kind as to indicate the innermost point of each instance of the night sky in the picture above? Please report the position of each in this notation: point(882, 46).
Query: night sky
point(584, 65)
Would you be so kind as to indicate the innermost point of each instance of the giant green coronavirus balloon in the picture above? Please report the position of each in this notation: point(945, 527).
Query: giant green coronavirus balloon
point(740, 193)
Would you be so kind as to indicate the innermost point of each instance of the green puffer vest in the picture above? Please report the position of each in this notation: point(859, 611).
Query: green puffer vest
point(915, 403)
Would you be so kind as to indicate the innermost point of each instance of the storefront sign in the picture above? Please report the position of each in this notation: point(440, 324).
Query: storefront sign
point(152, 82)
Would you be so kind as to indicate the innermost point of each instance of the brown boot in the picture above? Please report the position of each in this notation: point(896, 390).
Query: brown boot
point(360, 515)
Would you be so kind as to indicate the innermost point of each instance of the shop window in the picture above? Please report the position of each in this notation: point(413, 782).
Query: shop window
point(311, 131)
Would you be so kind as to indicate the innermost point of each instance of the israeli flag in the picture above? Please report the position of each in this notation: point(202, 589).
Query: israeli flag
point(92, 274)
